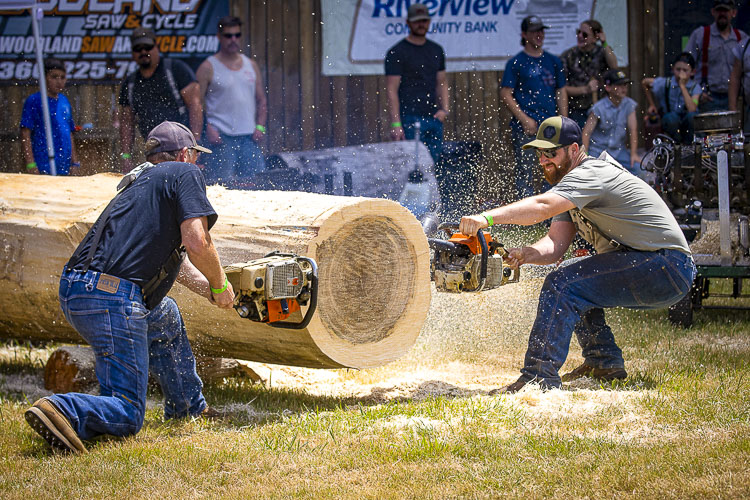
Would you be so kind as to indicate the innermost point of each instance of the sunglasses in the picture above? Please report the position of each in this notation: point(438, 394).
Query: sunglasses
point(548, 153)
point(141, 48)
point(229, 36)
point(583, 34)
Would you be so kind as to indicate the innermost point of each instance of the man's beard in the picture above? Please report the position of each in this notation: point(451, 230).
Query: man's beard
point(559, 172)
point(145, 62)
point(722, 22)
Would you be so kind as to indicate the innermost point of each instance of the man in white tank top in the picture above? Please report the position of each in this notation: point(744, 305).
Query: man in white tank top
point(234, 100)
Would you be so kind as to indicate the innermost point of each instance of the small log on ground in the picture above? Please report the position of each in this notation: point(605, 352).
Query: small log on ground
point(72, 369)
point(372, 256)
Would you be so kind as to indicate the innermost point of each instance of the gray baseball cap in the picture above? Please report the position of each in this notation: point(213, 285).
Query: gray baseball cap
point(417, 12)
point(171, 136)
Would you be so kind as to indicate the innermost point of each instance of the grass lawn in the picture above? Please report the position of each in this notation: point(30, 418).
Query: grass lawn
point(424, 427)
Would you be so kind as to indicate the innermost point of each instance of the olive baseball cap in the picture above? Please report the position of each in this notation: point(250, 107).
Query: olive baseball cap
point(555, 132)
point(142, 36)
point(417, 12)
point(171, 136)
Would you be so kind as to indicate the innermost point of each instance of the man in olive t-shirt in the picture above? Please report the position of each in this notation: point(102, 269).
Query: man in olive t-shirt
point(643, 260)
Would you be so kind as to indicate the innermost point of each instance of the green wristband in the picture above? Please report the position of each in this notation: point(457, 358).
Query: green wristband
point(217, 291)
point(31, 165)
point(604, 44)
point(395, 124)
point(487, 216)
point(125, 156)
point(261, 128)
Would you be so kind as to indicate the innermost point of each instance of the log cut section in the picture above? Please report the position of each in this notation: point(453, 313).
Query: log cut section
point(373, 260)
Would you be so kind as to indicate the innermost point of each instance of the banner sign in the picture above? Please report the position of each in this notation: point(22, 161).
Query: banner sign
point(477, 35)
point(92, 37)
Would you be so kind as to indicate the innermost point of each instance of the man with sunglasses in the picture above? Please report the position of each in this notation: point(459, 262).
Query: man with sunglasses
point(642, 259)
point(231, 86)
point(113, 292)
point(416, 85)
point(161, 89)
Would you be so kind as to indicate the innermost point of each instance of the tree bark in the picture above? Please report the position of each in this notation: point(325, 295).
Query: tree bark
point(372, 256)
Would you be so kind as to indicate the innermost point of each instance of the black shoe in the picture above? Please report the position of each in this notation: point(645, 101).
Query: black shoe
point(597, 373)
point(54, 427)
point(510, 388)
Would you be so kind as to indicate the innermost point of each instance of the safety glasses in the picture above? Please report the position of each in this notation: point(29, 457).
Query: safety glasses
point(142, 48)
point(583, 34)
point(547, 153)
point(229, 36)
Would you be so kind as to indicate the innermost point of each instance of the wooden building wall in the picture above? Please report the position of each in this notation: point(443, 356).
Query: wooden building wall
point(308, 110)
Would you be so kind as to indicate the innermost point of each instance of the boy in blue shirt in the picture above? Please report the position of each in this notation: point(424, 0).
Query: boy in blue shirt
point(610, 122)
point(532, 89)
point(675, 98)
point(33, 136)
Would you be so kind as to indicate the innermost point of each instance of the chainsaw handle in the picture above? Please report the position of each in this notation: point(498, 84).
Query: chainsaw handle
point(450, 228)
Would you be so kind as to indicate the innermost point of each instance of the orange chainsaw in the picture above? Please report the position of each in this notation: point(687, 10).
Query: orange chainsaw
point(272, 289)
point(467, 263)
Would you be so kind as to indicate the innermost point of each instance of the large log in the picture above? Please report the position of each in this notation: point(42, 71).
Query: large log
point(372, 255)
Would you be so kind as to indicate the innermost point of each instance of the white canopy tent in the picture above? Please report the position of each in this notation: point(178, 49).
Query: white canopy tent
point(37, 14)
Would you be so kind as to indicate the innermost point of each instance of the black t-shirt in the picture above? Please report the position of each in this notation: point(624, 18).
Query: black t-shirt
point(153, 98)
point(143, 228)
point(417, 65)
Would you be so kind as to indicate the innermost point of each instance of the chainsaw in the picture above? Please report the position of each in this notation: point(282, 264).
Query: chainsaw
point(467, 263)
point(269, 290)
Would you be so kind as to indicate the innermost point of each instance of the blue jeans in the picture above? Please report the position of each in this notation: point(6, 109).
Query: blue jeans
point(573, 297)
point(127, 340)
point(529, 174)
point(430, 133)
point(235, 161)
point(679, 126)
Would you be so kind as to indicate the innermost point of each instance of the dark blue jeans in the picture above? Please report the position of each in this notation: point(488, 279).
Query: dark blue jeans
point(235, 161)
point(574, 296)
point(127, 340)
point(430, 133)
point(679, 126)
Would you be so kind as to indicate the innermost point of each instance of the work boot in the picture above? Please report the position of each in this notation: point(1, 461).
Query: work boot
point(510, 388)
point(597, 373)
point(211, 413)
point(54, 427)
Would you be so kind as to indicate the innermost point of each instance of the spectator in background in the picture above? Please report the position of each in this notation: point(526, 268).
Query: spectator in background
point(740, 78)
point(234, 98)
point(161, 89)
point(532, 89)
point(610, 120)
point(415, 84)
point(713, 49)
point(675, 98)
point(584, 66)
point(33, 134)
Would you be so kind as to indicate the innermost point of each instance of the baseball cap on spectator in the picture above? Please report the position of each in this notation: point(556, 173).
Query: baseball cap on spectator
point(171, 136)
point(142, 36)
point(615, 77)
point(724, 4)
point(531, 24)
point(417, 12)
point(555, 132)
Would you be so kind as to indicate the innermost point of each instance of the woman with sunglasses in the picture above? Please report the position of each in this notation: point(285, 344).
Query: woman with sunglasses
point(584, 65)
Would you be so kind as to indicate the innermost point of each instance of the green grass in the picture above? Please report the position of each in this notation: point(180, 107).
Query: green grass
point(678, 427)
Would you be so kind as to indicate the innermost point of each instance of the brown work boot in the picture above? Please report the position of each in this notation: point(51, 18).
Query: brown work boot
point(54, 427)
point(510, 388)
point(211, 413)
point(598, 373)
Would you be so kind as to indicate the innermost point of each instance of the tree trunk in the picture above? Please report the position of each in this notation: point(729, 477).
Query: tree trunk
point(372, 255)
point(73, 369)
